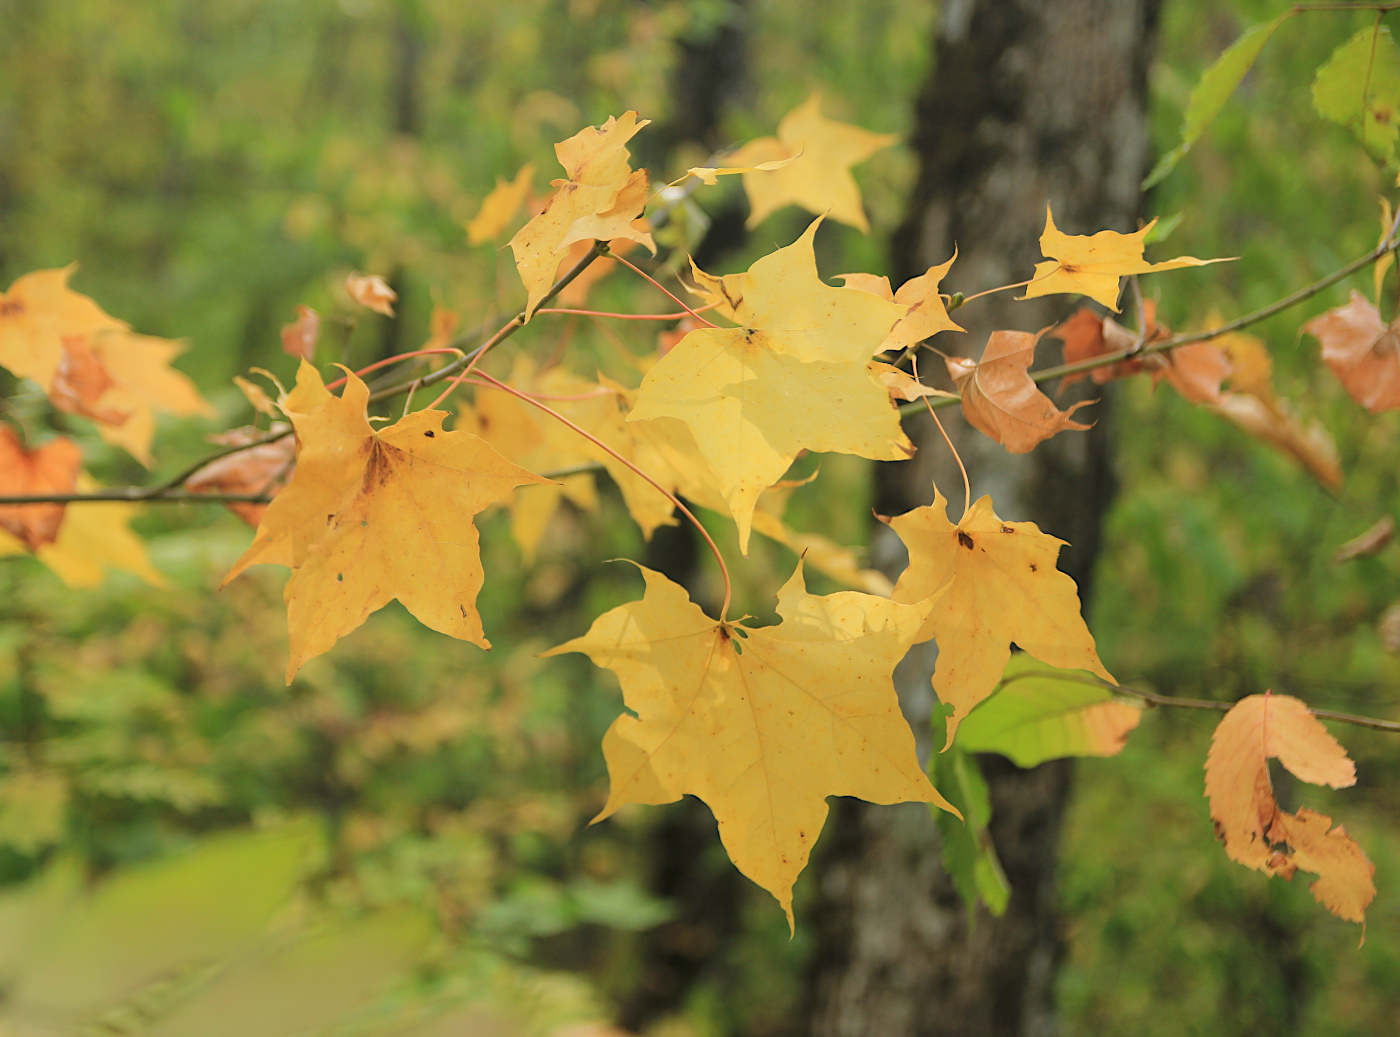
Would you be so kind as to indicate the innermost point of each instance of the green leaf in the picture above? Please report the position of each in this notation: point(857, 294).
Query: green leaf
point(1213, 90)
point(968, 853)
point(1039, 713)
point(1359, 87)
point(149, 923)
point(317, 982)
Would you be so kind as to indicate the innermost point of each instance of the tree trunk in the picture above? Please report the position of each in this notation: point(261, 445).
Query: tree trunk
point(1029, 101)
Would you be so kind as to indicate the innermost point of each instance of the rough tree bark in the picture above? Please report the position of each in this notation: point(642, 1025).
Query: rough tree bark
point(1029, 101)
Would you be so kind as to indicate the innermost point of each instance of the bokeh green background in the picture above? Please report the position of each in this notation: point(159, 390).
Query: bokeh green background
point(210, 166)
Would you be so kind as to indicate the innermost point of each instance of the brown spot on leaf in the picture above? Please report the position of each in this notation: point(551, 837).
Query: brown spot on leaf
point(965, 540)
point(430, 434)
point(1007, 529)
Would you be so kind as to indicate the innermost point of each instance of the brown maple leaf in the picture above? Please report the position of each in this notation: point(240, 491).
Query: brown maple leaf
point(51, 468)
point(1362, 351)
point(999, 398)
point(264, 469)
point(1087, 335)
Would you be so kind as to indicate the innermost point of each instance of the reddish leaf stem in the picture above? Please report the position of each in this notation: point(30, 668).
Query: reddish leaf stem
point(714, 548)
point(631, 316)
point(967, 486)
point(676, 299)
point(396, 358)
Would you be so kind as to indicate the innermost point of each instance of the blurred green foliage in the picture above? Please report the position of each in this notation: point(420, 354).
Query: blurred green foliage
point(213, 165)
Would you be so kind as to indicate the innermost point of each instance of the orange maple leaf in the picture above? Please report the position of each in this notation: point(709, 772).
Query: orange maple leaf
point(1000, 399)
point(136, 381)
point(36, 314)
point(49, 469)
point(299, 337)
point(500, 206)
point(371, 516)
point(1258, 834)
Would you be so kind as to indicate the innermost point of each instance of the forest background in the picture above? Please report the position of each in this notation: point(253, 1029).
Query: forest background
point(213, 166)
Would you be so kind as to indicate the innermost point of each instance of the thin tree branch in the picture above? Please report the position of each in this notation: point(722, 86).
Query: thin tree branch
point(1221, 707)
point(162, 491)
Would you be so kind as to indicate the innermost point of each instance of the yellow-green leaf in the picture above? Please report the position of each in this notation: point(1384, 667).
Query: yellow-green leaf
point(1039, 713)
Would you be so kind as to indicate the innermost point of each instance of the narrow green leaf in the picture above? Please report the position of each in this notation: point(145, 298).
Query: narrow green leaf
point(1213, 90)
point(1039, 713)
point(968, 853)
point(1359, 87)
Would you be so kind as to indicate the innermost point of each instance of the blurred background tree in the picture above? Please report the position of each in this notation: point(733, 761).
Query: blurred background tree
point(418, 809)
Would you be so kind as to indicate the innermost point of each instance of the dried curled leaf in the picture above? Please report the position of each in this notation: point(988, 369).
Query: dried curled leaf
point(602, 199)
point(761, 723)
point(1362, 351)
point(999, 398)
point(1088, 336)
point(1248, 820)
point(48, 469)
point(1371, 542)
point(262, 470)
point(1310, 445)
point(1195, 370)
point(372, 292)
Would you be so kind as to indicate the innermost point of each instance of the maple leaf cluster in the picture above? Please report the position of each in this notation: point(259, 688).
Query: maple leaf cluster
point(762, 723)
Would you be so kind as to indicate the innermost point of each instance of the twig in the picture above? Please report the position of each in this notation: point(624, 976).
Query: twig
point(1221, 707)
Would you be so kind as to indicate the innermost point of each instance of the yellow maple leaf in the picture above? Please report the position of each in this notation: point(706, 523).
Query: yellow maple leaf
point(372, 516)
point(794, 376)
point(762, 724)
point(1093, 264)
point(724, 292)
point(602, 199)
point(500, 206)
point(710, 175)
point(1001, 587)
point(818, 176)
point(139, 382)
point(94, 537)
point(927, 314)
point(1256, 832)
point(36, 314)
